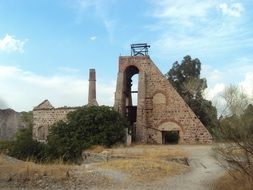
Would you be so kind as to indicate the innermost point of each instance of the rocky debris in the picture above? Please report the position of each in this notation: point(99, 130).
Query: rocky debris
point(180, 160)
point(91, 157)
point(10, 122)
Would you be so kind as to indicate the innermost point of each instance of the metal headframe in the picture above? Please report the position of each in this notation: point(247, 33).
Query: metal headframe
point(140, 49)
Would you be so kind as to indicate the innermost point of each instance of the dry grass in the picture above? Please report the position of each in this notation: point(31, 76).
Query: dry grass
point(96, 149)
point(147, 163)
point(153, 151)
point(227, 182)
point(15, 170)
point(146, 169)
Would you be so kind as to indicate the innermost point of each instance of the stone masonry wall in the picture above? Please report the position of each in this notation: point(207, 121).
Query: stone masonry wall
point(160, 107)
point(44, 116)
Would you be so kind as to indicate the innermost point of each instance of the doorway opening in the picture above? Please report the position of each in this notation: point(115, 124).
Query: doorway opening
point(131, 97)
point(170, 137)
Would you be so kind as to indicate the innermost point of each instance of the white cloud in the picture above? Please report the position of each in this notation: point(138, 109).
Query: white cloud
point(235, 9)
point(93, 38)
point(22, 90)
point(212, 93)
point(101, 9)
point(238, 73)
point(68, 70)
point(197, 27)
point(247, 84)
point(11, 44)
point(181, 11)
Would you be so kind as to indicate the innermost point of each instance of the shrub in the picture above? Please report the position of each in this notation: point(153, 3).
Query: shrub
point(24, 147)
point(5, 146)
point(87, 126)
point(236, 153)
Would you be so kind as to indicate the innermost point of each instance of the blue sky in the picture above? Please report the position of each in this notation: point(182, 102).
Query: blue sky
point(48, 46)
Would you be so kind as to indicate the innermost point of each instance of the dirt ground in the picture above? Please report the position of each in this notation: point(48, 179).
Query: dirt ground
point(204, 169)
point(138, 167)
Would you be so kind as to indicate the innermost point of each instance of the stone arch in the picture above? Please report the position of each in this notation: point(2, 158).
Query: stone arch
point(131, 97)
point(159, 98)
point(41, 133)
point(171, 126)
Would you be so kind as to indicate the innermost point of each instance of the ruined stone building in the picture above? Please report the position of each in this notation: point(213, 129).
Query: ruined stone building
point(160, 112)
point(45, 115)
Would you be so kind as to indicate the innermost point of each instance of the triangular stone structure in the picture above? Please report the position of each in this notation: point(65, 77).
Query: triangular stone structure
point(160, 110)
point(44, 105)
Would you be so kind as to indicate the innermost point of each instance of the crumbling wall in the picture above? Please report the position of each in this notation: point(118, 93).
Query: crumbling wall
point(46, 115)
point(159, 105)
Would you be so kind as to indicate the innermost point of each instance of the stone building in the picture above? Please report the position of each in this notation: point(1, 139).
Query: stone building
point(45, 115)
point(160, 113)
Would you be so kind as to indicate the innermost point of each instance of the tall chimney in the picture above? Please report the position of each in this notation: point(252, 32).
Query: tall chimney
point(92, 101)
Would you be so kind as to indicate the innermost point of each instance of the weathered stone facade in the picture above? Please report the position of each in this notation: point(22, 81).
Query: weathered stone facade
point(159, 111)
point(160, 108)
point(92, 100)
point(44, 115)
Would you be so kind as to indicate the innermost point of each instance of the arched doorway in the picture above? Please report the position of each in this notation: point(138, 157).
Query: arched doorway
point(131, 97)
point(171, 133)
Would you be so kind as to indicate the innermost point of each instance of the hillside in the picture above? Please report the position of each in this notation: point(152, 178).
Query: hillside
point(10, 122)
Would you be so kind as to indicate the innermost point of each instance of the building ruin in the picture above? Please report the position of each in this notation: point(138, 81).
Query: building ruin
point(45, 115)
point(160, 112)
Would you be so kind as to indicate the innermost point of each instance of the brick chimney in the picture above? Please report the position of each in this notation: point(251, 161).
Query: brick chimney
point(92, 101)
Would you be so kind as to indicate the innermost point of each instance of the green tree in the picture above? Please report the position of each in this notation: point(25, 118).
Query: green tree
point(87, 126)
point(185, 78)
point(27, 118)
point(24, 147)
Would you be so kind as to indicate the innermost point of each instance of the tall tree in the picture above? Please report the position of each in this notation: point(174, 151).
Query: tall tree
point(185, 78)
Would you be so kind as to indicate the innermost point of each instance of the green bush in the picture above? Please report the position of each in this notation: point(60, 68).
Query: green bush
point(5, 146)
point(24, 147)
point(87, 126)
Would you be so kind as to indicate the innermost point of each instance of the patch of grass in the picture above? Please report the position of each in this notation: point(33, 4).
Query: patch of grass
point(227, 182)
point(146, 162)
point(146, 169)
point(16, 170)
point(96, 149)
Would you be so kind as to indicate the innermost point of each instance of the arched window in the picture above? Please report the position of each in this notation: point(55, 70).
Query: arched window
point(159, 98)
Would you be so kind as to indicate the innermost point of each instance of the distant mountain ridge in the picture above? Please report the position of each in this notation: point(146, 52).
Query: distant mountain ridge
point(10, 122)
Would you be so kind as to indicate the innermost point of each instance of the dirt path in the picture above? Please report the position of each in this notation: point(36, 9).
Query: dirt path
point(204, 169)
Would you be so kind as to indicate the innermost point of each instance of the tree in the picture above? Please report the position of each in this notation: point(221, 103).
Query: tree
point(27, 118)
point(185, 78)
point(236, 101)
point(87, 126)
point(236, 131)
point(24, 147)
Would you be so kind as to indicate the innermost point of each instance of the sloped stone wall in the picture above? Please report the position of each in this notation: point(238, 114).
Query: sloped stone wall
point(158, 103)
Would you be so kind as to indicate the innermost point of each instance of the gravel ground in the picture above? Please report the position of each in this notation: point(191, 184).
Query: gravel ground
point(204, 169)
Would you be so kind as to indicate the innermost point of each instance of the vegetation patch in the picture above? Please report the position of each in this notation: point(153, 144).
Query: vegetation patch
point(227, 182)
point(146, 169)
point(20, 171)
point(146, 163)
